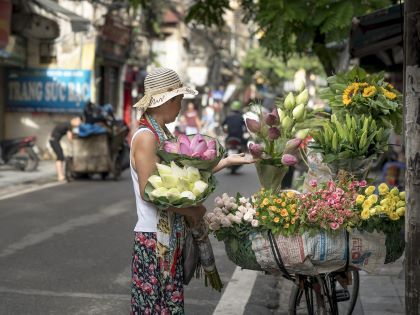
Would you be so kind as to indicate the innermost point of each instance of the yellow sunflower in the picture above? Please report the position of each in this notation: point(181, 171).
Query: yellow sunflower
point(369, 91)
point(349, 92)
point(389, 95)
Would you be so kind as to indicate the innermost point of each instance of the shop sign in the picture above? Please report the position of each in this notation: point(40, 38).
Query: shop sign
point(47, 90)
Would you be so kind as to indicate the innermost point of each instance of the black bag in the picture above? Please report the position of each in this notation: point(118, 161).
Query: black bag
point(190, 253)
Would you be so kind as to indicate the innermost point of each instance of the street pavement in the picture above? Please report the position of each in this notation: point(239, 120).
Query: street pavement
point(66, 249)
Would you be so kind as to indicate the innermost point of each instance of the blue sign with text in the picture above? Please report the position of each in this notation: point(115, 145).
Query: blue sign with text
point(47, 90)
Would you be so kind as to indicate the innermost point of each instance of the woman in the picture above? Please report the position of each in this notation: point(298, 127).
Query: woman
point(193, 122)
point(157, 275)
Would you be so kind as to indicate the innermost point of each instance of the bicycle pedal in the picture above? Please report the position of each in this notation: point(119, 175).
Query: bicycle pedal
point(342, 295)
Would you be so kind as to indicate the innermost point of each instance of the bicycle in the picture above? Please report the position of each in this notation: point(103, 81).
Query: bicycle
point(333, 293)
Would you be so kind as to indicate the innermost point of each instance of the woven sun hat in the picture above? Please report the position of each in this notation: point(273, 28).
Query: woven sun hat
point(160, 86)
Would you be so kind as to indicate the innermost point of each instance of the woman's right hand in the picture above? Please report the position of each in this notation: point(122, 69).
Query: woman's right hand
point(194, 215)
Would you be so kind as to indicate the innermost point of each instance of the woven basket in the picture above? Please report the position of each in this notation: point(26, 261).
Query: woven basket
point(240, 252)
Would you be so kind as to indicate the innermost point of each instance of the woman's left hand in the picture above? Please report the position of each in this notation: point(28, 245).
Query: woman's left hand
point(239, 159)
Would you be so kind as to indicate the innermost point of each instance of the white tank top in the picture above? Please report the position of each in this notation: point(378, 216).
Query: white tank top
point(146, 212)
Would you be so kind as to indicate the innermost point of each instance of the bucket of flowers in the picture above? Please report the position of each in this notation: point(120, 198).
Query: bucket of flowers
point(277, 136)
point(365, 109)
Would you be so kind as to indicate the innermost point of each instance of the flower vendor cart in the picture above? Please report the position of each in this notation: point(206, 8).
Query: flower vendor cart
point(340, 222)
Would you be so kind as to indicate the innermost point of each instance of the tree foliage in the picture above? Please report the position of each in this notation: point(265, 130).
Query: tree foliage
point(287, 27)
point(274, 70)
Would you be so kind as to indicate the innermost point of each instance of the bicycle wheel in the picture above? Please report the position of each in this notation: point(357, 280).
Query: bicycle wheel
point(309, 300)
point(342, 288)
point(347, 291)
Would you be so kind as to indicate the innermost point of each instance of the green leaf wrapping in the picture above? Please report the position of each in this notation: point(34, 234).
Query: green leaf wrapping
point(184, 160)
point(163, 202)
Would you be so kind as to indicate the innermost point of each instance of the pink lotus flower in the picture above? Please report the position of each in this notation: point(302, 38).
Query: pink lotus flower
point(198, 148)
point(209, 154)
point(184, 139)
point(273, 133)
point(197, 140)
point(256, 150)
point(170, 147)
point(184, 148)
point(253, 125)
point(211, 145)
point(289, 160)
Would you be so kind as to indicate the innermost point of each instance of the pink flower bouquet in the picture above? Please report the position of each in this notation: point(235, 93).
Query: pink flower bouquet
point(330, 206)
point(199, 151)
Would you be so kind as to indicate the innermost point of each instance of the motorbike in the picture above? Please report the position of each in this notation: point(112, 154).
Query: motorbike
point(234, 146)
point(21, 153)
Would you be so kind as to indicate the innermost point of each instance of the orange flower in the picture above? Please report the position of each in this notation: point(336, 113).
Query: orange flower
point(293, 221)
point(276, 219)
point(284, 213)
point(257, 213)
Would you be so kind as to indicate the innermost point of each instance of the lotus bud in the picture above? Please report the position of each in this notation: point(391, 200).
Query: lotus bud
point(159, 192)
point(289, 160)
point(299, 85)
point(303, 97)
point(273, 133)
point(163, 169)
point(287, 123)
point(169, 181)
point(156, 181)
point(256, 150)
point(292, 146)
point(184, 139)
point(199, 187)
point(209, 155)
point(170, 147)
point(193, 174)
point(298, 112)
point(281, 114)
point(173, 194)
point(253, 125)
point(271, 119)
point(184, 149)
point(302, 134)
point(211, 145)
point(197, 140)
point(289, 101)
point(198, 149)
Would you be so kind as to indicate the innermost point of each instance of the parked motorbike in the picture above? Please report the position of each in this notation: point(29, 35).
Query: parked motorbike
point(21, 153)
point(234, 146)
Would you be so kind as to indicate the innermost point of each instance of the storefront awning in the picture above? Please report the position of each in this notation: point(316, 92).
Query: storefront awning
point(78, 23)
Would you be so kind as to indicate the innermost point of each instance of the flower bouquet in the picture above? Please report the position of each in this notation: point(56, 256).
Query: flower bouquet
point(357, 93)
point(383, 212)
point(278, 136)
point(329, 206)
point(231, 221)
point(350, 144)
point(178, 187)
point(199, 151)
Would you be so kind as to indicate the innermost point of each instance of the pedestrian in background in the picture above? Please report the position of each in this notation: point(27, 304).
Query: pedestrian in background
point(209, 122)
point(61, 129)
point(193, 122)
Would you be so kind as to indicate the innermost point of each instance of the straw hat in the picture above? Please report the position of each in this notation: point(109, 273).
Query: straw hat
point(161, 85)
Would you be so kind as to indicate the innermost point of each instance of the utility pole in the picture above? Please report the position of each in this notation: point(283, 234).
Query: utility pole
point(412, 150)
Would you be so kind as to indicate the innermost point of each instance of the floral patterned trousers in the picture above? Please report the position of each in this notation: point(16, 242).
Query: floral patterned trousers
point(150, 294)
